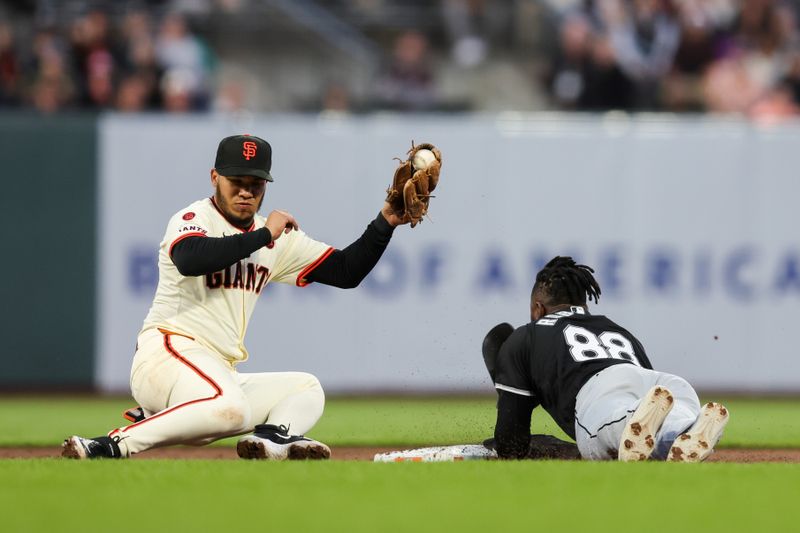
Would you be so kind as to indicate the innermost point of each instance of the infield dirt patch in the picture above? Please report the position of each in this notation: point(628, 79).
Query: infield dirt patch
point(367, 453)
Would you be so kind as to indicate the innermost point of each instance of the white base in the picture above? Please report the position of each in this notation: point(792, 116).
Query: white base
point(437, 454)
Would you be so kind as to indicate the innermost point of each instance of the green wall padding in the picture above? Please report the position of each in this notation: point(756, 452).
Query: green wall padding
point(47, 265)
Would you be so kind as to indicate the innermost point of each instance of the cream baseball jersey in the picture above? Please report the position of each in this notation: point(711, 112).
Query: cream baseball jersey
point(215, 308)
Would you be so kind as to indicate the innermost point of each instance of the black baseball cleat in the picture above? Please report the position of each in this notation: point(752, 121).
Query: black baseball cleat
point(273, 442)
point(99, 447)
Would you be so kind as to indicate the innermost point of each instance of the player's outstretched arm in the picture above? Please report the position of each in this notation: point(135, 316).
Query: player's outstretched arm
point(513, 428)
point(544, 447)
point(346, 268)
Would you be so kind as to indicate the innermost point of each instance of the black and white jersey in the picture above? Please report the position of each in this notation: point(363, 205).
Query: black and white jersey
point(549, 360)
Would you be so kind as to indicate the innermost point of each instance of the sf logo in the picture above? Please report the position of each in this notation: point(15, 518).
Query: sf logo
point(249, 149)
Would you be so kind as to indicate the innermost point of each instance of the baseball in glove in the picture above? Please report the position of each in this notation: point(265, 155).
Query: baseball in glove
point(414, 180)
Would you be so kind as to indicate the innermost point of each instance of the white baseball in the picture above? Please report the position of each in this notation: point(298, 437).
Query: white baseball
point(423, 159)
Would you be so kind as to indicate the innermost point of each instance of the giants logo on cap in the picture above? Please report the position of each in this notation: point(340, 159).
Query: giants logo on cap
point(248, 149)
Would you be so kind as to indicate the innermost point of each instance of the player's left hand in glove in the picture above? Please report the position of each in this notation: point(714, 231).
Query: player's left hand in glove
point(414, 180)
point(492, 343)
point(545, 447)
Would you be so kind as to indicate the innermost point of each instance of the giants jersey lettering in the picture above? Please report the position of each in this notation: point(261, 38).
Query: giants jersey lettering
point(215, 309)
point(552, 358)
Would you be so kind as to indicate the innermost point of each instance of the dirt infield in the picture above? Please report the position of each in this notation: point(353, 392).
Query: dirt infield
point(367, 453)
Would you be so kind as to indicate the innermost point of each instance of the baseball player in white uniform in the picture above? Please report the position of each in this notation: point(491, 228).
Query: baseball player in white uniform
point(216, 257)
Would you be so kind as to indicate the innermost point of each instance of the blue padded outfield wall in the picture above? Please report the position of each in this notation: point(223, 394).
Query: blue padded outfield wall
point(691, 225)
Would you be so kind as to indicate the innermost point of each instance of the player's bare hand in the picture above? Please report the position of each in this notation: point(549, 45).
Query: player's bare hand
point(390, 217)
point(280, 222)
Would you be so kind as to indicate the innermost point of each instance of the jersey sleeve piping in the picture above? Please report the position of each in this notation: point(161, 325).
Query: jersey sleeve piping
point(301, 277)
point(184, 236)
point(512, 390)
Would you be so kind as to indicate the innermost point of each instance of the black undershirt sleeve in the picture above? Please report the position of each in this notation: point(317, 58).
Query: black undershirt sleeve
point(513, 428)
point(197, 256)
point(347, 268)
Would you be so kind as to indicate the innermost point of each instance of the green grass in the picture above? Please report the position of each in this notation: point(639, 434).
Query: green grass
point(56, 495)
point(46, 421)
point(483, 496)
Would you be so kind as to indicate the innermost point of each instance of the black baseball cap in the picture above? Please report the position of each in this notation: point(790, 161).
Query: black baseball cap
point(244, 155)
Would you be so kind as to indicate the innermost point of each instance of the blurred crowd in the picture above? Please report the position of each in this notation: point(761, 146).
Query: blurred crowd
point(94, 64)
point(723, 56)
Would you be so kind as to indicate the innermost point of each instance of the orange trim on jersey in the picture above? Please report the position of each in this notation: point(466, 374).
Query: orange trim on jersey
point(301, 281)
point(168, 332)
point(174, 353)
point(185, 235)
point(214, 203)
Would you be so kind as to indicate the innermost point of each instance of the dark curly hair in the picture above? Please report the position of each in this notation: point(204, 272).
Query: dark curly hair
point(562, 281)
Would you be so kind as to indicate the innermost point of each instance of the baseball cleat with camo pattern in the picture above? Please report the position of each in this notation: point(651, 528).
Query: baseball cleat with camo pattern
point(698, 443)
point(639, 436)
point(274, 443)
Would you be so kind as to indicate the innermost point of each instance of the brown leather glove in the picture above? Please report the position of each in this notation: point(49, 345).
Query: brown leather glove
point(410, 192)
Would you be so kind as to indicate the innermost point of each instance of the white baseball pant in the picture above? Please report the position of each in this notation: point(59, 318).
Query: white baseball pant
point(192, 395)
point(606, 402)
